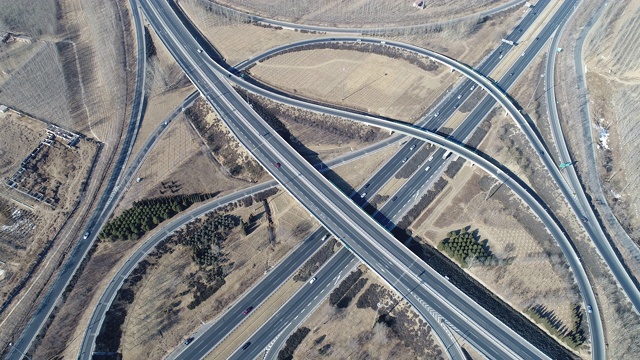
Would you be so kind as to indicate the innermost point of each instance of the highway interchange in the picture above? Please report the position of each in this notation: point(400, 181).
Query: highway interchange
point(304, 182)
point(356, 229)
point(452, 107)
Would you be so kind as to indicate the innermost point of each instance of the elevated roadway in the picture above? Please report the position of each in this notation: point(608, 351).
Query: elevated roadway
point(531, 54)
point(336, 212)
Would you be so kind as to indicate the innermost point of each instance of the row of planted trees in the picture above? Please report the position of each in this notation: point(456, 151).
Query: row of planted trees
point(465, 248)
point(144, 215)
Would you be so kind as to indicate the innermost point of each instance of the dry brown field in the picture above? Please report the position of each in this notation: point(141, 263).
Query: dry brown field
point(237, 41)
point(318, 136)
point(86, 71)
point(359, 337)
point(28, 226)
point(609, 60)
point(167, 87)
point(373, 83)
point(467, 42)
point(64, 334)
point(181, 158)
point(368, 13)
point(347, 177)
point(251, 256)
point(538, 273)
point(612, 68)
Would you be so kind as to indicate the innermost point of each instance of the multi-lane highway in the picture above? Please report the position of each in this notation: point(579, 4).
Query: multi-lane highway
point(532, 54)
point(102, 209)
point(480, 112)
point(268, 285)
point(364, 237)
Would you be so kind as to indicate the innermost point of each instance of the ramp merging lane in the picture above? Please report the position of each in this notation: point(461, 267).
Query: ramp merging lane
point(336, 212)
point(292, 262)
point(560, 16)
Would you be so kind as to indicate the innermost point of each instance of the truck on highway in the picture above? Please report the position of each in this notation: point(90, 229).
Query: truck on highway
point(508, 42)
point(446, 155)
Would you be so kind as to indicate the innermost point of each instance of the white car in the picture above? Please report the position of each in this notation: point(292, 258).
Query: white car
point(427, 169)
point(589, 310)
point(86, 235)
point(313, 279)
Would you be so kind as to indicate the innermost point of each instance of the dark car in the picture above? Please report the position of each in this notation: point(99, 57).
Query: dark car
point(278, 165)
point(248, 310)
point(394, 198)
point(188, 341)
point(584, 219)
point(246, 345)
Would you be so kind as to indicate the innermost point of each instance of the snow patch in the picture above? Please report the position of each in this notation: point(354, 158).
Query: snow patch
point(604, 134)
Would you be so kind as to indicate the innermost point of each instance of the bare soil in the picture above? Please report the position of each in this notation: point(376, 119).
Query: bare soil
point(369, 82)
point(369, 13)
point(538, 272)
point(249, 256)
point(361, 336)
point(19, 136)
point(59, 174)
point(181, 160)
point(235, 40)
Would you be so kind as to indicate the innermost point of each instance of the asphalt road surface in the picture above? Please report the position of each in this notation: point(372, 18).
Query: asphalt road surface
point(534, 53)
point(363, 236)
point(99, 217)
point(294, 261)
